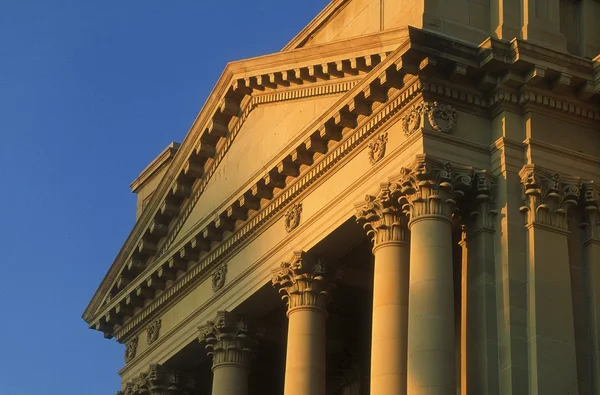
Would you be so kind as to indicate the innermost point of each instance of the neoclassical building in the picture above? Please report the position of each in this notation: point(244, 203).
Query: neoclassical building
point(403, 200)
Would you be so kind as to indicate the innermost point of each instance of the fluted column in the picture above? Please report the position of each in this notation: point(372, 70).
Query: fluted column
point(387, 226)
point(428, 191)
point(230, 341)
point(303, 283)
point(551, 344)
point(591, 256)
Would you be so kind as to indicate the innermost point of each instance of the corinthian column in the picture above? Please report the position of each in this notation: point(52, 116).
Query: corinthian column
point(550, 326)
point(591, 256)
point(428, 191)
point(387, 227)
point(159, 381)
point(230, 341)
point(302, 283)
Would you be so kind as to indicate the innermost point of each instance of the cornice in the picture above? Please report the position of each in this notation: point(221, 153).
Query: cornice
point(154, 166)
point(413, 57)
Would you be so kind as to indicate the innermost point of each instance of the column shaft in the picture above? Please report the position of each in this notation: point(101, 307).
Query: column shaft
point(230, 379)
point(431, 349)
point(305, 358)
point(390, 318)
point(591, 254)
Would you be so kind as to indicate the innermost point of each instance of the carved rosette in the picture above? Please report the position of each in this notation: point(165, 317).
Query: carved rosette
point(548, 196)
point(218, 277)
point(431, 188)
point(153, 331)
point(292, 217)
point(382, 218)
point(131, 349)
point(230, 339)
point(590, 194)
point(159, 381)
point(303, 282)
point(377, 148)
point(440, 117)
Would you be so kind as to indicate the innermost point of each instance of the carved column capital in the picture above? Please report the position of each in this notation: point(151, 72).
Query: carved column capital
point(481, 208)
point(548, 196)
point(304, 282)
point(383, 218)
point(431, 188)
point(230, 339)
point(590, 196)
point(160, 381)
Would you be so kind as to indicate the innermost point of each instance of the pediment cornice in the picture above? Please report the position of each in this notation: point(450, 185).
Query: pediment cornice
point(418, 66)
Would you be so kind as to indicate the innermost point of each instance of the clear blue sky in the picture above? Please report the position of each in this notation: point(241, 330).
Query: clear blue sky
point(90, 92)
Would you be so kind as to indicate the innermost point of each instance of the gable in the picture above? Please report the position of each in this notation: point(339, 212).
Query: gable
point(268, 130)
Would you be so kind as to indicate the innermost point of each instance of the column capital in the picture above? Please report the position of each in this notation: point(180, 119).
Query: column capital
point(590, 196)
point(159, 381)
point(548, 196)
point(481, 208)
point(230, 339)
point(304, 282)
point(431, 188)
point(383, 218)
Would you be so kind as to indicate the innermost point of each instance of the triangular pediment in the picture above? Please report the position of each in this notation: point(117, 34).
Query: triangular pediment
point(254, 91)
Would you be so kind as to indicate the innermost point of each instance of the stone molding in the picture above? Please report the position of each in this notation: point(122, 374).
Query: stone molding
point(292, 217)
point(431, 187)
point(590, 194)
point(548, 196)
point(153, 331)
point(440, 117)
point(383, 218)
point(159, 381)
point(219, 276)
point(230, 339)
point(304, 282)
point(377, 148)
point(131, 349)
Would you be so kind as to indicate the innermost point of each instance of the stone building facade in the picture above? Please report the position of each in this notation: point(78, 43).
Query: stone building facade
point(404, 200)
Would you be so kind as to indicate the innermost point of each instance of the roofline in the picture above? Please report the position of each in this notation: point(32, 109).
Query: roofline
point(317, 23)
point(154, 166)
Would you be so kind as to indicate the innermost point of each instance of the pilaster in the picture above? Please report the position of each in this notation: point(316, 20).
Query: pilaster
point(551, 345)
point(541, 23)
point(591, 257)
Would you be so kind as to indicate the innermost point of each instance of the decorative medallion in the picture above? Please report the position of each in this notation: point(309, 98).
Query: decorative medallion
point(153, 331)
point(441, 117)
point(131, 349)
point(292, 217)
point(377, 148)
point(218, 277)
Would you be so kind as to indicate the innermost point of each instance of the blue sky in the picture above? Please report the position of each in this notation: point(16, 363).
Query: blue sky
point(90, 93)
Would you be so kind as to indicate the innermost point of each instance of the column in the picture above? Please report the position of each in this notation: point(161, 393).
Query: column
point(231, 341)
point(479, 324)
point(303, 284)
point(591, 256)
point(387, 226)
point(428, 192)
point(550, 324)
point(159, 381)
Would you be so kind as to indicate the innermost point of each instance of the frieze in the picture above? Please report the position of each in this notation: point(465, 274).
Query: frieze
point(441, 117)
point(292, 217)
point(377, 148)
point(219, 276)
point(153, 331)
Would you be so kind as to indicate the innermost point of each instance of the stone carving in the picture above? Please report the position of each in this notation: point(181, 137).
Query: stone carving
point(292, 217)
point(131, 349)
point(230, 339)
point(304, 281)
point(548, 196)
point(153, 331)
point(441, 117)
point(382, 217)
point(431, 187)
point(157, 380)
point(482, 208)
point(218, 277)
point(590, 193)
point(377, 148)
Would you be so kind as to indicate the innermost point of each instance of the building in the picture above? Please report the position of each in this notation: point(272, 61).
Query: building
point(472, 266)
